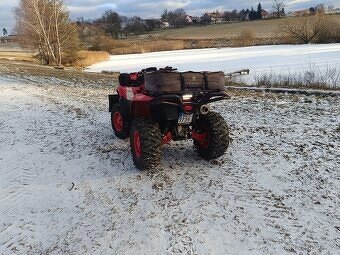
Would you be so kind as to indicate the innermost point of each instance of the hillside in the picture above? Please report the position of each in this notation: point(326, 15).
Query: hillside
point(247, 33)
point(261, 28)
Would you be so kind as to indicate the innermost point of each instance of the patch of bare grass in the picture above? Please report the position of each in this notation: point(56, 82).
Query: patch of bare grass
point(314, 78)
point(105, 43)
point(18, 56)
point(47, 74)
point(135, 47)
point(87, 58)
point(245, 38)
point(266, 32)
point(155, 45)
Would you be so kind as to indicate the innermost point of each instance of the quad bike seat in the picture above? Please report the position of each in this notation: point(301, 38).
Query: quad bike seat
point(131, 79)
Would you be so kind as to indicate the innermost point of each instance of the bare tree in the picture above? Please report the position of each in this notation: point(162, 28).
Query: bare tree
point(136, 25)
point(330, 7)
point(278, 7)
point(306, 29)
point(175, 18)
point(111, 22)
point(46, 26)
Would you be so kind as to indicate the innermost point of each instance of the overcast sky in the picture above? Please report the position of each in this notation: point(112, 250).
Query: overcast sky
point(90, 9)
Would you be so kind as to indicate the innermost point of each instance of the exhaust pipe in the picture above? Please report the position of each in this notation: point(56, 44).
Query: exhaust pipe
point(204, 109)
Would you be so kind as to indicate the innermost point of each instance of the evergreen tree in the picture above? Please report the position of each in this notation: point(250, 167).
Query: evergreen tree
point(259, 11)
point(165, 15)
point(242, 14)
point(252, 14)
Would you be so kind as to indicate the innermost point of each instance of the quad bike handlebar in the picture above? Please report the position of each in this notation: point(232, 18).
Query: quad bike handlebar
point(153, 69)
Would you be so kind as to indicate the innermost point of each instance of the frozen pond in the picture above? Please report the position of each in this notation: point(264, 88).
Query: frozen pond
point(278, 59)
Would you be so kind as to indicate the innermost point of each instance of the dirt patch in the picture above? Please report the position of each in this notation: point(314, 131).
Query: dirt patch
point(71, 76)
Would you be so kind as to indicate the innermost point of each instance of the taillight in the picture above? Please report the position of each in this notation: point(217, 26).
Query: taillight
point(188, 108)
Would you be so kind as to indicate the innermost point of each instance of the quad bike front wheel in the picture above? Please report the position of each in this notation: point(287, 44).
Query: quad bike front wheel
point(214, 136)
point(146, 143)
point(119, 124)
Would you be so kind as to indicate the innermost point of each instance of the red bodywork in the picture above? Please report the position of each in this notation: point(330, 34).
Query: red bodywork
point(118, 121)
point(137, 145)
point(202, 138)
point(139, 101)
point(167, 138)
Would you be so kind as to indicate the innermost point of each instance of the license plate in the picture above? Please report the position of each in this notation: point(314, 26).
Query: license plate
point(184, 118)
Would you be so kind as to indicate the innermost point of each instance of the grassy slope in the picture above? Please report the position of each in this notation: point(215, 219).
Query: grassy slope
point(12, 51)
point(262, 29)
point(24, 70)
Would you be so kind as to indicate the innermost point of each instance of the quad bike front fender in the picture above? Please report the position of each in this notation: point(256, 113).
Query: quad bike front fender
point(113, 99)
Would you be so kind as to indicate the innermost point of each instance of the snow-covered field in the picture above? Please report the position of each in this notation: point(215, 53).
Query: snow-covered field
point(280, 59)
point(68, 186)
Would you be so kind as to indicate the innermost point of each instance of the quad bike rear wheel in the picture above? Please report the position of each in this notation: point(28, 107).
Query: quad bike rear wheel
point(146, 143)
point(119, 124)
point(215, 135)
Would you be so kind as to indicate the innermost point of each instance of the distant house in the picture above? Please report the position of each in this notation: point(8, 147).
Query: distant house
point(246, 16)
point(124, 24)
point(88, 30)
point(333, 11)
point(301, 13)
point(188, 19)
point(216, 16)
point(195, 19)
point(164, 24)
point(8, 39)
point(265, 14)
point(290, 14)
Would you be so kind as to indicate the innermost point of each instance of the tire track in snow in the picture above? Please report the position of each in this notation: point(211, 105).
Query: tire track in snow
point(259, 198)
point(271, 152)
point(56, 131)
point(237, 189)
point(17, 177)
point(231, 193)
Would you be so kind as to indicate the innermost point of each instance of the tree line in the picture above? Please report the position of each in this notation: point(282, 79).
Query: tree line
point(119, 26)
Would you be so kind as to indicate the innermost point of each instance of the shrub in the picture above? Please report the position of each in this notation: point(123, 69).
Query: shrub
point(330, 32)
point(317, 28)
point(87, 58)
point(313, 77)
point(104, 43)
point(245, 38)
point(148, 46)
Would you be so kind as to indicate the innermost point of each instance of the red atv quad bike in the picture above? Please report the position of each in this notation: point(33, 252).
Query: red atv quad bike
point(153, 107)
